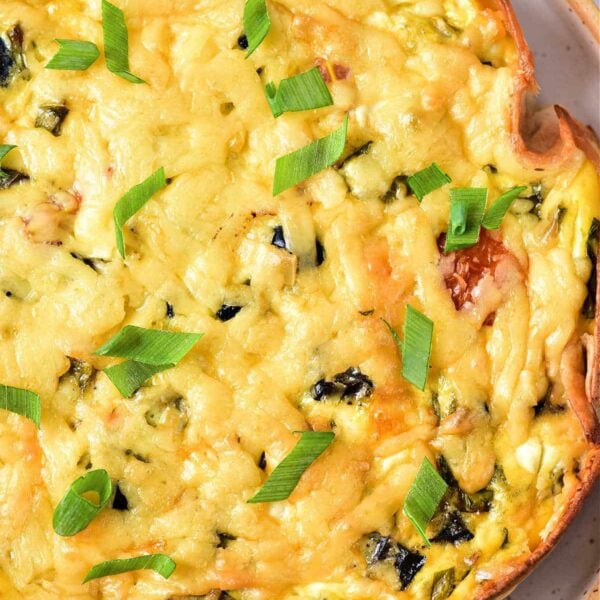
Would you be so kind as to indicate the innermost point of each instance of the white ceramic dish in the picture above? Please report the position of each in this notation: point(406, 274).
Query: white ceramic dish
point(568, 70)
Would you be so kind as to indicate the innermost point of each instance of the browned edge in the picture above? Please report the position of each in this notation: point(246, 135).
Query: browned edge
point(544, 139)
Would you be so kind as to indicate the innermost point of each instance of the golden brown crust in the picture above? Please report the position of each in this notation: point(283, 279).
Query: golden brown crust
point(573, 376)
point(546, 139)
point(590, 15)
point(514, 573)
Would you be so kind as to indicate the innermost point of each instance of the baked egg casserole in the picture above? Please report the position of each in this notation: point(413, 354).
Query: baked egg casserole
point(297, 301)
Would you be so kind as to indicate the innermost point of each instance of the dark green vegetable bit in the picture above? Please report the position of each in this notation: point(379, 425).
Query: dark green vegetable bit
point(169, 312)
point(454, 531)
point(12, 57)
point(443, 585)
point(11, 178)
point(83, 372)
point(228, 312)
point(51, 118)
point(278, 239)
point(390, 561)
point(350, 385)
point(589, 306)
point(119, 500)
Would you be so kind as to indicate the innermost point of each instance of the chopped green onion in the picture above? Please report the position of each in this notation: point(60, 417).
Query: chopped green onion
point(287, 474)
point(4, 150)
point(133, 201)
point(426, 181)
point(256, 23)
point(74, 55)
point(130, 375)
point(424, 496)
point(301, 92)
point(159, 563)
point(465, 233)
point(458, 218)
point(149, 346)
point(116, 42)
point(22, 402)
point(75, 512)
point(494, 215)
point(298, 166)
point(416, 349)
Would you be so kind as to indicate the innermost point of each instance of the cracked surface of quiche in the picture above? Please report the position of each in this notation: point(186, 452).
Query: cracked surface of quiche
point(291, 292)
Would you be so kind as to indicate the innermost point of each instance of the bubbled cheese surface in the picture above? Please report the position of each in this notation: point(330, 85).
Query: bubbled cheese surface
point(412, 77)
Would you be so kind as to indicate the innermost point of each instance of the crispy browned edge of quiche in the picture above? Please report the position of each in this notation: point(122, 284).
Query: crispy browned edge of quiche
point(542, 139)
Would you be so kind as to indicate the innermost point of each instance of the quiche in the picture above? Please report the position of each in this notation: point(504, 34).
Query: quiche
point(297, 301)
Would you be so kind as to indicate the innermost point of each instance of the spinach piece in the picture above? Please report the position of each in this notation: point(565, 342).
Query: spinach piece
point(119, 500)
point(82, 371)
point(228, 312)
point(12, 57)
point(390, 561)
point(51, 118)
point(12, 178)
point(443, 584)
point(480, 501)
point(454, 531)
point(589, 306)
point(350, 385)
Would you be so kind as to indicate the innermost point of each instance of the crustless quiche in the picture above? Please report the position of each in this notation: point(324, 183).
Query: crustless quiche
point(297, 301)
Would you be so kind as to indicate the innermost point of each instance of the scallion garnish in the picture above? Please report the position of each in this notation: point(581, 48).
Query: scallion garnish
point(305, 91)
point(426, 181)
point(256, 23)
point(22, 402)
point(116, 42)
point(133, 201)
point(287, 474)
point(416, 348)
point(467, 206)
point(4, 150)
point(149, 351)
point(76, 511)
point(298, 166)
point(159, 563)
point(423, 497)
point(494, 215)
point(130, 375)
point(74, 55)
point(149, 346)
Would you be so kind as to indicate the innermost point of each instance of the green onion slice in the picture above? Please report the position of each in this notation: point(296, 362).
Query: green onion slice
point(75, 512)
point(458, 218)
point(4, 150)
point(149, 346)
point(495, 214)
point(302, 92)
point(424, 496)
point(116, 42)
point(256, 23)
point(22, 402)
point(133, 201)
point(416, 349)
point(298, 166)
point(159, 563)
point(74, 55)
point(465, 220)
point(130, 375)
point(428, 180)
point(287, 474)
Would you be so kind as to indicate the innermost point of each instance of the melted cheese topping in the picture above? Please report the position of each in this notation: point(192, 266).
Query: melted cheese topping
point(185, 449)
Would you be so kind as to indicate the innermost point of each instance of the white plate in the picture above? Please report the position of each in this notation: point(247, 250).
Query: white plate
point(568, 70)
